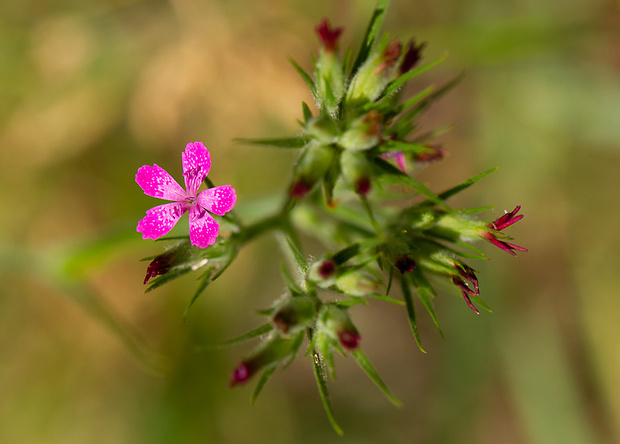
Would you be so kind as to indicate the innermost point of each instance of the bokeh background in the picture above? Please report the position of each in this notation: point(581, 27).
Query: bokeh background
point(91, 90)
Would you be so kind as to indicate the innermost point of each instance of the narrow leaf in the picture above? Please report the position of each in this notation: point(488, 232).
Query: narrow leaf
point(263, 329)
point(321, 382)
point(466, 184)
point(425, 292)
point(305, 76)
point(371, 34)
point(306, 110)
point(404, 285)
point(392, 174)
point(277, 142)
point(292, 286)
point(206, 280)
point(368, 368)
point(386, 299)
point(401, 80)
point(165, 278)
point(345, 254)
point(264, 377)
point(299, 258)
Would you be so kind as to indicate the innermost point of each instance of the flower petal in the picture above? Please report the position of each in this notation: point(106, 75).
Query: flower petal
point(218, 200)
point(160, 220)
point(203, 229)
point(156, 182)
point(196, 166)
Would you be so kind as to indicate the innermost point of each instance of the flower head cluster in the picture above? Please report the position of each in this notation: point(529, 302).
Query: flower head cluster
point(383, 230)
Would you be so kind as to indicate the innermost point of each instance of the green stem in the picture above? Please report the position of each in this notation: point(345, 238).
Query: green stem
point(275, 222)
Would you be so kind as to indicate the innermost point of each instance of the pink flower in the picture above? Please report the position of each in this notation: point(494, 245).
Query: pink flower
point(498, 225)
point(156, 182)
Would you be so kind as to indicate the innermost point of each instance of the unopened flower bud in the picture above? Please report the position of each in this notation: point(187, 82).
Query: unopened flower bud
point(330, 79)
point(294, 314)
point(180, 255)
point(356, 170)
point(404, 263)
point(314, 162)
point(273, 350)
point(335, 323)
point(357, 284)
point(374, 75)
point(323, 129)
point(323, 272)
point(363, 133)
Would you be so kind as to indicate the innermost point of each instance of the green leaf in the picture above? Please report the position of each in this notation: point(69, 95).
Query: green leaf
point(330, 179)
point(169, 276)
point(277, 142)
point(263, 329)
point(372, 33)
point(404, 124)
point(299, 339)
point(415, 99)
point(264, 377)
point(466, 184)
point(425, 292)
point(321, 382)
point(305, 76)
point(292, 286)
point(404, 285)
point(368, 368)
point(408, 147)
point(297, 256)
point(355, 300)
point(345, 254)
point(206, 279)
point(384, 298)
point(306, 111)
point(392, 174)
point(401, 80)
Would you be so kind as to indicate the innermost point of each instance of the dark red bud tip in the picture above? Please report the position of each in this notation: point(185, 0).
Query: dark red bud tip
point(437, 154)
point(349, 339)
point(328, 35)
point(240, 374)
point(299, 189)
point(327, 269)
point(362, 186)
point(404, 264)
point(412, 56)
point(160, 265)
point(390, 56)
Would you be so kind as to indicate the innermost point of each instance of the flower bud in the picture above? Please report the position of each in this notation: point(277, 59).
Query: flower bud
point(323, 129)
point(374, 75)
point(356, 170)
point(294, 314)
point(323, 272)
point(357, 284)
point(330, 79)
point(180, 255)
point(335, 323)
point(363, 133)
point(404, 263)
point(274, 349)
point(314, 162)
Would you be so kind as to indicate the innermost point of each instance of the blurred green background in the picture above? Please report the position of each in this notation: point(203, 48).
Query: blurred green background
point(91, 90)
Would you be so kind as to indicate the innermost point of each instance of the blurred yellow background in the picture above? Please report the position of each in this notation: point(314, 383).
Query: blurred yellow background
point(90, 91)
